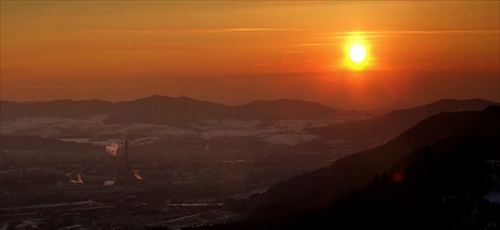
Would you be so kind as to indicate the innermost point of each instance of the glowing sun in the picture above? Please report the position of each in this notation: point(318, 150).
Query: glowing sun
point(357, 53)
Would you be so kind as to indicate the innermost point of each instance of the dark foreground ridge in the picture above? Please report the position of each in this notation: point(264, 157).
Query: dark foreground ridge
point(443, 173)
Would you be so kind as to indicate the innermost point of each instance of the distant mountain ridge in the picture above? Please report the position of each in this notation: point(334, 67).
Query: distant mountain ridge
point(375, 131)
point(182, 106)
point(346, 133)
point(156, 109)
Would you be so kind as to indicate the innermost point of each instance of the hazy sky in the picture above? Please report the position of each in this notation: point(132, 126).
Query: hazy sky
point(236, 52)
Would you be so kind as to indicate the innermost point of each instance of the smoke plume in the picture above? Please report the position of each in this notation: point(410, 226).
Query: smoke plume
point(108, 183)
point(136, 174)
point(112, 148)
point(78, 180)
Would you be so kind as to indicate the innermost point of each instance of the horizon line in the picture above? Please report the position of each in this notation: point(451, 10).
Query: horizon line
point(267, 100)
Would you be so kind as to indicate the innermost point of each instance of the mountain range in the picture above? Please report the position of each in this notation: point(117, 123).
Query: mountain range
point(369, 133)
point(290, 122)
point(164, 109)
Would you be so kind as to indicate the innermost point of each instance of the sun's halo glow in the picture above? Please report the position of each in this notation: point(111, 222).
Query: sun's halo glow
point(357, 53)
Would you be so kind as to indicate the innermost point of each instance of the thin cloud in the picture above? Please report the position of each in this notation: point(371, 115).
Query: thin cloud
point(209, 30)
point(316, 44)
point(265, 29)
point(396, 32)
point(377, 34)
point(167, 31)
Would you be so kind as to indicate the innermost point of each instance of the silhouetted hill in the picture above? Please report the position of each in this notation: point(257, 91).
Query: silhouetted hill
point(168, 110)
point(378, 130)
point(446, 185)
point(358, 169)
point(164, 110)
point(164, 104)
point(434, 176)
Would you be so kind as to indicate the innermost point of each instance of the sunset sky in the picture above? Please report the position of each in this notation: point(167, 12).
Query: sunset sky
point(236, 52)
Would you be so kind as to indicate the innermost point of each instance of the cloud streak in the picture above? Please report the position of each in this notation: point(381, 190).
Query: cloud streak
point(375, 34)
point(410, 32)
point(177, 30)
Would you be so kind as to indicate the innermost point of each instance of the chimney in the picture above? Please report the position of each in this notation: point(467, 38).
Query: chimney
point(126, 152)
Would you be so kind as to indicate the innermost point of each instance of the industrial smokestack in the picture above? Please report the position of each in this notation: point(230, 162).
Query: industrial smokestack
point(126, 151)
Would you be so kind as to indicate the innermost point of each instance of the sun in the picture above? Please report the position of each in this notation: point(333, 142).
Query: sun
point(357, 53)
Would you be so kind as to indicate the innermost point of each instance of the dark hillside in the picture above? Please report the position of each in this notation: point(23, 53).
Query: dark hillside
point(434, 176)
point(358, 169)
point(375, 131)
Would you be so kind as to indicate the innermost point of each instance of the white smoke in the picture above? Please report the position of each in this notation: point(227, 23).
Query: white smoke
point(108, 183)
point(112, 148)
point(78, 180)
point(136, 174)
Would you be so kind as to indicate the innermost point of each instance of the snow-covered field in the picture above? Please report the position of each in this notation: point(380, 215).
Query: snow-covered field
point(284, 132)
point(86, 130)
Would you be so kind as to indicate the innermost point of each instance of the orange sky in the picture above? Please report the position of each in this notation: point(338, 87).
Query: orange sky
point(236, 52)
